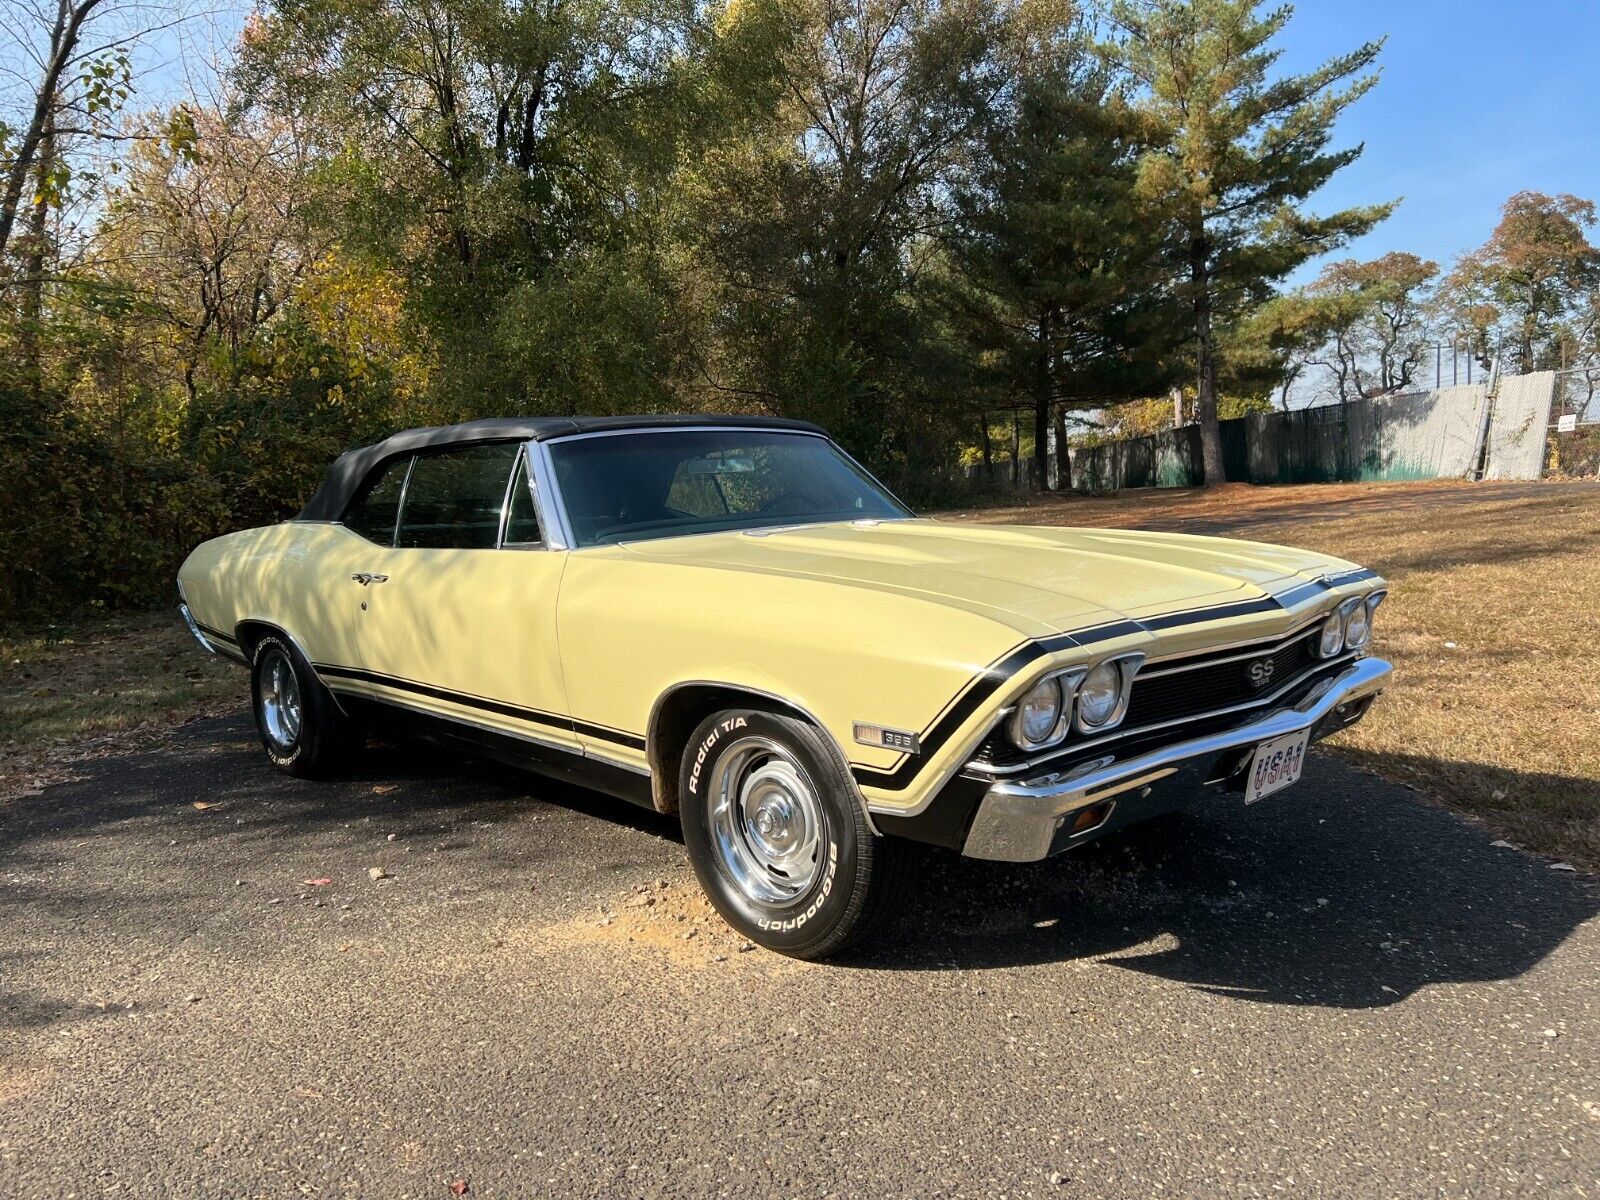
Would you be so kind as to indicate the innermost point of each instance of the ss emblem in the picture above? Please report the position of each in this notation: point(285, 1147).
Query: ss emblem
point(1260, 672)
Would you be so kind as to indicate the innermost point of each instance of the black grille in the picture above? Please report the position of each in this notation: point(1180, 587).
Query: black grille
point(1219, 685)
point(1204, 687)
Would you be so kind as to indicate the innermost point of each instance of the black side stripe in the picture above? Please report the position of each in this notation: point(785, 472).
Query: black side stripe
point(978, 691)
point(991, 678)
point(483, 703)
point(226, 644)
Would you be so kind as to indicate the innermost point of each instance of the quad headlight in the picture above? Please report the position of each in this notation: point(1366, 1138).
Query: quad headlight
point(1331, 640)
point(1099, 695)
point(1348, 627)
point(1358, 625)
point(1038, 714)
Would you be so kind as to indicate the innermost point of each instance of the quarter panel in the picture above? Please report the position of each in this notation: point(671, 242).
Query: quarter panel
point(295, 575)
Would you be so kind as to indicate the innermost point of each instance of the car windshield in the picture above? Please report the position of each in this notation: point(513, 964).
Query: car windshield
point(667, 483)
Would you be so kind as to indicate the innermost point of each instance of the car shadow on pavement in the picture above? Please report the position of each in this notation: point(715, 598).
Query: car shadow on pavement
point(1346, 891)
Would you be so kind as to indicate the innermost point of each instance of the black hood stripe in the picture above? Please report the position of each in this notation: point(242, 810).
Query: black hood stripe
point(972, 697)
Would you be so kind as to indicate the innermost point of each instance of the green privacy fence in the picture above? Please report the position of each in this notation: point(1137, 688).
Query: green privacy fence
point(1427, 435)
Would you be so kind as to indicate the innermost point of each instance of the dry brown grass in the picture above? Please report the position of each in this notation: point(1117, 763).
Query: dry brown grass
point(1492, 623)
point(98, 686)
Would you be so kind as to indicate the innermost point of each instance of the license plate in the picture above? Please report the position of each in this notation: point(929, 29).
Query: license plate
point(1277, 764)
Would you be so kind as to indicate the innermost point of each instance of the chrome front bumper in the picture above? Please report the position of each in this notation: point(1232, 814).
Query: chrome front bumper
point(1023, 821)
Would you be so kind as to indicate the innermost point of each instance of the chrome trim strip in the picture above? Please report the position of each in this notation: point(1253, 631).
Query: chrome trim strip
point(547, 498)
point(188, 619)
point(623, 764)
point(346, 689)
point(1017, 822)
point(1040, 760)
point(505, 498)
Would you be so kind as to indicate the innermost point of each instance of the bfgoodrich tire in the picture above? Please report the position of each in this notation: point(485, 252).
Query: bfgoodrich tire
point(301, 727)
point(777, 836)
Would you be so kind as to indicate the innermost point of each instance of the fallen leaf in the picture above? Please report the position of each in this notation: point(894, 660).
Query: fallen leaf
point(1503, 844)
point(383, 789)
point(1562, 866)
point(458, 1188)
point(322, 882)
point(202, 805)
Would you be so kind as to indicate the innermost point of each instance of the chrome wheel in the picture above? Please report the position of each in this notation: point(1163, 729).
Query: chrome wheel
point(280, 701)
point(766, 822)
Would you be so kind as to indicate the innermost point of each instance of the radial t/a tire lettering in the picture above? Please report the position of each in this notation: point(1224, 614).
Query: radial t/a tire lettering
point(777, 835)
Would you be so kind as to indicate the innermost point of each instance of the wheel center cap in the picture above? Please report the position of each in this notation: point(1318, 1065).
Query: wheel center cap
point(774, 822)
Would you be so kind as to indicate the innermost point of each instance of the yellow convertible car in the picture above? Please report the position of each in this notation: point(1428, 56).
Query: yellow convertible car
point(727, 618)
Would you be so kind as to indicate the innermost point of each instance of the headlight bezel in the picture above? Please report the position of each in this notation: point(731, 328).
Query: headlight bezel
point(1127, 666)
point(1348, 612)
point(1113, 685)
point(1065, 682)
point(1338, 619)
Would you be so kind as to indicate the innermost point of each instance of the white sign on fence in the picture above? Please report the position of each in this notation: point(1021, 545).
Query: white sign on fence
point(1567, 424)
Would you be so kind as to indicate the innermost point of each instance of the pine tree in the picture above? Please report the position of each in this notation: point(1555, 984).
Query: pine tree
point(1238, 154)
point(1058, 262)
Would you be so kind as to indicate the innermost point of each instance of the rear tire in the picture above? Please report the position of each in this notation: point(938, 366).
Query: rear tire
point(301, 727)
point(778, 837)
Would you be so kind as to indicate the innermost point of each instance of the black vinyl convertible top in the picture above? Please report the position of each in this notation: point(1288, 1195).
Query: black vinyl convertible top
point(351, 469)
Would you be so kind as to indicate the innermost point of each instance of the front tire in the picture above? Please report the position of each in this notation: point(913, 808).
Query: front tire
point(301, 727)
point(777, 836)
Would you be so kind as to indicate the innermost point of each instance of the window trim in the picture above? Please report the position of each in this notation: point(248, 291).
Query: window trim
point(522, 466)
point(365, 490)
point(440, 452)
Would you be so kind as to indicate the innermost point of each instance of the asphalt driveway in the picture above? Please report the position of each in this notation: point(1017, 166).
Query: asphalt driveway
point(1341, 991)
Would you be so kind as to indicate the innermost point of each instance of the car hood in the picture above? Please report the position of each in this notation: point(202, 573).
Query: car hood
point(1038, 579)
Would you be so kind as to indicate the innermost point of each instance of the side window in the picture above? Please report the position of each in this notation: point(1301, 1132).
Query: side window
point(372, 514)
point(522, 522)
point(454, 499)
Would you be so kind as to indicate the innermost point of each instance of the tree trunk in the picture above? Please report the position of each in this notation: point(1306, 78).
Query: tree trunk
point(1205, 404)
point(1063, 458)
point(1016, 448)
point(988, 449)
point(64, 35)
point(1041, 403)
point(33, 258)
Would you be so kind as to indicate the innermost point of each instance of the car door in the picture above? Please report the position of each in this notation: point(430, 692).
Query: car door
point(457, 618)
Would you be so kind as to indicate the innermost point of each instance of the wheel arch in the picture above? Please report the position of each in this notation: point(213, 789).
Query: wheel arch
point(251, 630)
point(683, 706)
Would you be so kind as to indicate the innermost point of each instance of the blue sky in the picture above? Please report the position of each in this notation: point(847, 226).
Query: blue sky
point(1478, 100)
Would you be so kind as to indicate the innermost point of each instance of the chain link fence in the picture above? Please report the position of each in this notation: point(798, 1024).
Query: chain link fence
point(1572, 440)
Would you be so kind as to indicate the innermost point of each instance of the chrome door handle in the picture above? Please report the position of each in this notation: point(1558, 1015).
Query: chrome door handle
point(366, 577)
